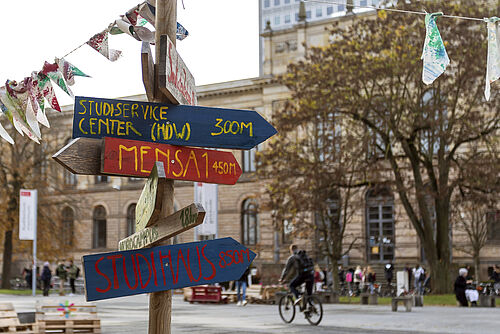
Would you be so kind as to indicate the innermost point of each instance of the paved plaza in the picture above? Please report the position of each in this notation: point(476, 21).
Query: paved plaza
point(130, 315)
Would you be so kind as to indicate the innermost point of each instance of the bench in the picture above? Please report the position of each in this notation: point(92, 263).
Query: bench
point(328, 297)
point(9, 321)
point(206, 294)
point(80, 318)
point(407, 300)
point(254, 294)
point(487, 301)
point(368, 299)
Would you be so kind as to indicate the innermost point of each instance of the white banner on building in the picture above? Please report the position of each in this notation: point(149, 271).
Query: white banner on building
point(207, 195)
point(27, 214)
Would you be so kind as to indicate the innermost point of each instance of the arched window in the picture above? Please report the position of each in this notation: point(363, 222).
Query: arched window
point(68, 218)
point(131, 219)
point(380, 225)
point(99, 228)
point(249, 222)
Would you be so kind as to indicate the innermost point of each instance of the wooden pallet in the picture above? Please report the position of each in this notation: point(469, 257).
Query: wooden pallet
point(9, 322)
point(83, 319)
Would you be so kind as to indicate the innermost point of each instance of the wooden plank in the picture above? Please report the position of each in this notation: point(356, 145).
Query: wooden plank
point(81, 156)
point(175, 79)
point(165, 228)
point(136, 158)
point(182, 125)
point(148, 70)
point(149, 204)
point(146, 270)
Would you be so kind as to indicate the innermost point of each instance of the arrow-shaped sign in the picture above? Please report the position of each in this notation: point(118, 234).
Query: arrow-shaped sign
point(165, 228)
point(117, 274)
point(136, 158)
point(169, 124)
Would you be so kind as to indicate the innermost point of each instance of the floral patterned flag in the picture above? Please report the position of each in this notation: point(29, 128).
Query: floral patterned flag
point(69, 71)
point(8, 114)
point(434, 54)
point(493, 67)
point(45, 90)
point(181, 32)
point(18, 96)
point(53, 72)
point(17, 121)
point(37, 105)
point(99, 42)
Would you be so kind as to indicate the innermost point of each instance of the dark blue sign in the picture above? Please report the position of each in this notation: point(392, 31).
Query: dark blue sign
point(169, 124)
point(118, 274)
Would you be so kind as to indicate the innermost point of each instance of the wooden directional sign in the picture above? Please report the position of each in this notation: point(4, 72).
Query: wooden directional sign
point(149, 204)
point(175, 80)
point(169, 124)
point(136, 158)
point(117, 274)
point(165, 228)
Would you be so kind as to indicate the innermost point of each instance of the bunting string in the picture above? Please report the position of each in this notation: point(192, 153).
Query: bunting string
point(23, 103)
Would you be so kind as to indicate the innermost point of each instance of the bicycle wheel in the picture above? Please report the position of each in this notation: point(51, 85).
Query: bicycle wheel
point(314, 311)
point(287, 309)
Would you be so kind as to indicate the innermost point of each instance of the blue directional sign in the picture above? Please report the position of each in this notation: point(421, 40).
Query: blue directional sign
point(182, 125)
point(118, 274)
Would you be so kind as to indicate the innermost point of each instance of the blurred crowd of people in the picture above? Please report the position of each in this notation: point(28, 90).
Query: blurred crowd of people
point(66, 270)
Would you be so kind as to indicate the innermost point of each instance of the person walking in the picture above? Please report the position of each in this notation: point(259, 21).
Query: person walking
point(460, 286)
point(46, 277)
point(358, 276)
point(389, 273)
point(371, 278)
point(241, 284)
point(62, 274)
point(495, 277)
point(73, 273)
point(419, 276)
point(348, 278)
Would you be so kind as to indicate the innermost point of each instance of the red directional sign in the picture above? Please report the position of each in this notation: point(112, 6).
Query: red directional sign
point(136, 158)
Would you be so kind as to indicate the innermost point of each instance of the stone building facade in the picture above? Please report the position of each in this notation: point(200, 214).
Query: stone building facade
point(106, 207)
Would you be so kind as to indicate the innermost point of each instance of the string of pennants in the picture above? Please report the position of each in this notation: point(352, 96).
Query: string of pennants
point(435, 58)
point(24, 103)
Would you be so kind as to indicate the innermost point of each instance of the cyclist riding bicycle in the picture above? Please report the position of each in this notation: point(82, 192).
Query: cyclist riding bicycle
point(301, 267)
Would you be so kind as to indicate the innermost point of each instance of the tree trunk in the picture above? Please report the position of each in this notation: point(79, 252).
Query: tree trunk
point(335, 276)
point(476, 267)
point(440, 277)
point(7, 259)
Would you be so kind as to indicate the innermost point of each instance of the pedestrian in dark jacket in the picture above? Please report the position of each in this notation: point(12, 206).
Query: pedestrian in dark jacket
point(388, 273)
point(46, 277)
point(460, 285)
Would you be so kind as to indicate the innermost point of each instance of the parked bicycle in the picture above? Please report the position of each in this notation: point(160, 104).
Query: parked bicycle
point(310, 305)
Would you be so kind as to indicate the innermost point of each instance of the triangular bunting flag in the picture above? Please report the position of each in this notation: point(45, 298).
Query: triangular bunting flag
point(69, 71)
point(53, 72)
point(434, 54)
point(99, 42)
point(493, 63)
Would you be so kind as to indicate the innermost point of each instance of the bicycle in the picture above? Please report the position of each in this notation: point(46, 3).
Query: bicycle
point(310, 305)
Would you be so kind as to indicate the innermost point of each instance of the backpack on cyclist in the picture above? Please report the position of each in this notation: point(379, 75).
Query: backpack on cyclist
point(306, 264)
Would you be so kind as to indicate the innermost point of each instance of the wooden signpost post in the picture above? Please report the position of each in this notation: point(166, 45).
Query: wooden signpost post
point(141, 138)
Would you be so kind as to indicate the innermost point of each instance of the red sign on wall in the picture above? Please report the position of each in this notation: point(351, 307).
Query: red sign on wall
point(136, 158)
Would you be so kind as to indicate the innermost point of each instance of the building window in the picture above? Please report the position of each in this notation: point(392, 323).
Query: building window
point(276, 2)
point(380, 225)
point(329, 10)
point(135, 179)
point(276, 20)
point(249, 222)
point(248, 158)
point(319, 12)
point(308, 14)
point(341, 8)
point(70, 179)
point(267, 3)
point(493, 221)
point(68, 223)
point(287, 18)
point(287, 2)
point(99, 227)
point(297, 17)
point(363, 3)
point(101, 179)
point(131, 219)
